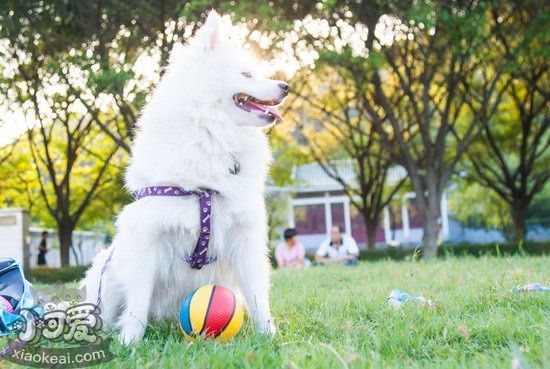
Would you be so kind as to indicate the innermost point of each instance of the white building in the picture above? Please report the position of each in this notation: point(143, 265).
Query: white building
point(317, 201)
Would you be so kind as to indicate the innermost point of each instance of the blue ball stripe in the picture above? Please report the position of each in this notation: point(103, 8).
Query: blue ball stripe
point(185, 322)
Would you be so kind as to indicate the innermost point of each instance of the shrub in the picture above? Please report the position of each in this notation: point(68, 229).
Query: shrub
point(63, 274)
point(464, 249)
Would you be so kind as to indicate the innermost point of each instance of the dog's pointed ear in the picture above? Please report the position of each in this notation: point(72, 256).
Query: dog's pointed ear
point(210, 33)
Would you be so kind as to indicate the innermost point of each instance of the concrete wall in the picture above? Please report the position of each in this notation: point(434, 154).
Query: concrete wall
point(19, 241)
point(459, 234)
point(538, 233)
point(13, 235)
point(86, 245)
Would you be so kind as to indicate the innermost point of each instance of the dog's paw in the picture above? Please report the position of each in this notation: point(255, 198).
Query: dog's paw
point(267, 328)
point(131, 333)
point(126, 338)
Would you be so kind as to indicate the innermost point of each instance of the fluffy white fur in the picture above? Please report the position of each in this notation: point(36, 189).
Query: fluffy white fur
point(189, 134)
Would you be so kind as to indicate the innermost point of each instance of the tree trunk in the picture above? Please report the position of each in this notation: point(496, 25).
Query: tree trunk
point(65, 231)
point(371, 232)
point(519, 213)
point(431, 226)
point(429, 239)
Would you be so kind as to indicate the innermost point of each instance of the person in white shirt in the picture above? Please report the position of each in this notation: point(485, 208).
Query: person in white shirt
point(338, 249)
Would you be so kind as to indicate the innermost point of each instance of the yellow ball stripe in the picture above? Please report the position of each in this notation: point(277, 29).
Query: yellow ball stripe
point(199, 307)
point(234, 325)
point(187, 337)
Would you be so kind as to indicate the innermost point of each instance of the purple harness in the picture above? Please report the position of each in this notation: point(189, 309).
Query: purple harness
point(198, 258)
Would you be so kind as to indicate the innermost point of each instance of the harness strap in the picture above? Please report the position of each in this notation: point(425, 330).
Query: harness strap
point(199, 257)
point(105, 265)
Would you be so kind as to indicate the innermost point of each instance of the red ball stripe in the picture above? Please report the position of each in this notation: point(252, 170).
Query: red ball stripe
point(230, 318)
point(220, 311)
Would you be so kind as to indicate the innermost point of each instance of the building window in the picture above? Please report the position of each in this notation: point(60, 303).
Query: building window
point(310, 219)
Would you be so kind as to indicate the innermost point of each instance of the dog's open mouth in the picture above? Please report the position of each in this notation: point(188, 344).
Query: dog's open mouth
point(263, 109)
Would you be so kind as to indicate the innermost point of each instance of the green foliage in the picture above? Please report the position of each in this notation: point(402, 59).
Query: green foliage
point(483, 209)
point(464, 26)
point(486, 209)
point(287, 153)
point(277, 213)
point(110, 81)
point(424, 12)
point(345, 58)
point(539, 213)
point(275, 16)
point(19, 186)
point(375, 60)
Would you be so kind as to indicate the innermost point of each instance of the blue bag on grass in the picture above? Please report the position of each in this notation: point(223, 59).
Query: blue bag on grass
point(15, 295)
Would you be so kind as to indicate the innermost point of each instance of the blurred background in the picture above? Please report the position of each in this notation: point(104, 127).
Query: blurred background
point(411, 124)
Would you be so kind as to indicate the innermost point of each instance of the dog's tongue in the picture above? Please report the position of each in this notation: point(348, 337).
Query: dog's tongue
point(259, 108)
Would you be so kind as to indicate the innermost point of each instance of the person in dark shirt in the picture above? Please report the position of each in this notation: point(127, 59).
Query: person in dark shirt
point(43, 249)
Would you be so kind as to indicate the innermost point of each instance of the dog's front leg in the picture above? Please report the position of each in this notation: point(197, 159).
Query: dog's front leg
point(252, 270)
point(139, 289)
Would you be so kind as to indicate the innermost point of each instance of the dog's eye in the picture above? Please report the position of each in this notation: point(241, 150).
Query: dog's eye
point(247, 74)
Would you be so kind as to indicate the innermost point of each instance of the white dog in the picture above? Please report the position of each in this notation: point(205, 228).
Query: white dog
point(200, 130)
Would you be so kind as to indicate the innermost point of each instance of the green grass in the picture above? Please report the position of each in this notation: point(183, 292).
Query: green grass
point(334, 317)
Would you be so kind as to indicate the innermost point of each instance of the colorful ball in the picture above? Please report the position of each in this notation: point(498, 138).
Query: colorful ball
point(211, 312)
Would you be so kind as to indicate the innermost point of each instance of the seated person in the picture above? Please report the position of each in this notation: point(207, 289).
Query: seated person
point(290, 253)
point(338, 249)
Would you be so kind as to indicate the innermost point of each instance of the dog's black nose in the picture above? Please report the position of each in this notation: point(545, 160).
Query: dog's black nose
point(284, 87)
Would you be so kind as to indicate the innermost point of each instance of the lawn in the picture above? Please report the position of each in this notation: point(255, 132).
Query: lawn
point(337, 317)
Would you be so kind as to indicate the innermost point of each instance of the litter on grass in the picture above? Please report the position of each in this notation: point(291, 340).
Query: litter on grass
point(399, 297)
point(531, 287)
